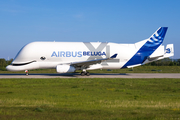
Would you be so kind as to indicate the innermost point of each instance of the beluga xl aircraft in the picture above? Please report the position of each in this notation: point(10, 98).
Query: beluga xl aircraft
point(68, 57)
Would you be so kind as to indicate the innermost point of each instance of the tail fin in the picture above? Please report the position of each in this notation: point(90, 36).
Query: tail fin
point(157, 38)
point(147, 47)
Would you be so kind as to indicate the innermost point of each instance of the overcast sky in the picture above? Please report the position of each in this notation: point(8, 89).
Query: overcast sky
point(119, 21)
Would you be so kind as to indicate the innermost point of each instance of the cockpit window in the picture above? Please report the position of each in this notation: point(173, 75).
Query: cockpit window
point(19, 52)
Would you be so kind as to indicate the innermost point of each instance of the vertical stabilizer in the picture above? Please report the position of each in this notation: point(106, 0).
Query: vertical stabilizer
point(157, 38)
point(150, 45)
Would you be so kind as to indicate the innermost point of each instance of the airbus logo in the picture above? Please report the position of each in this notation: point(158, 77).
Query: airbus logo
point(77, 53)
point(92, 53)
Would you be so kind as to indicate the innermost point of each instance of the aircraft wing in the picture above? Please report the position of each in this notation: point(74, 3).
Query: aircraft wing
point(86, 64)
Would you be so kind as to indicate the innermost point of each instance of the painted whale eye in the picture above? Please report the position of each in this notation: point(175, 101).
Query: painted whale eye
point(43, 58)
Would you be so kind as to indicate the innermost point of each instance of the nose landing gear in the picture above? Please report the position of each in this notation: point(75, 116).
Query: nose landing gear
point(26, 71)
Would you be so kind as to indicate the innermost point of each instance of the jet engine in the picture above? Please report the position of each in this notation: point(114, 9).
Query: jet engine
point(65, 69)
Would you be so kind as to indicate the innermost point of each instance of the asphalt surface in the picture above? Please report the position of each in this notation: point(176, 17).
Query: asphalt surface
point(95, 75)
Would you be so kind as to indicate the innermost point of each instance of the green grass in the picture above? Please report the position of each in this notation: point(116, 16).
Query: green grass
point(140, 69)
point(90, 98)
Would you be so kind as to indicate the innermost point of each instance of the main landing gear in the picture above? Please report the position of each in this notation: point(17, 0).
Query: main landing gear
point(85, 73)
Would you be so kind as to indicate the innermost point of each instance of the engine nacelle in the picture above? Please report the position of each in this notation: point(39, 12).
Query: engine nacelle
point(65, 69)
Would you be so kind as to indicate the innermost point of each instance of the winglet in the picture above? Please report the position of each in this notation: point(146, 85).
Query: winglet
point(114, 56)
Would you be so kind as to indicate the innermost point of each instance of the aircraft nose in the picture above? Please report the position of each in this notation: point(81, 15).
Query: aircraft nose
point(11, 68)
point(8, 68)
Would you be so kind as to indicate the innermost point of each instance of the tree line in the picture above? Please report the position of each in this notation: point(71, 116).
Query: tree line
point(163, 62)
point(4, 63)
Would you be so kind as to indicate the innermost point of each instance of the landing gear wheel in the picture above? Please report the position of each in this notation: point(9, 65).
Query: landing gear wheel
point(26, 71)
point(87, 73)
point(82, 73)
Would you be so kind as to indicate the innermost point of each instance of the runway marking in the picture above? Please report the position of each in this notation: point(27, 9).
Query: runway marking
point(95, 75)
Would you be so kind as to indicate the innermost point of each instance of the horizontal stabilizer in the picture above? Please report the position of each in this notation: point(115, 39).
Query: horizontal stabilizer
point(159, 52)
point(133, 66)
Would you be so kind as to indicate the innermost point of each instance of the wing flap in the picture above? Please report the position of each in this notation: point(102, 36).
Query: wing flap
point(91, 62)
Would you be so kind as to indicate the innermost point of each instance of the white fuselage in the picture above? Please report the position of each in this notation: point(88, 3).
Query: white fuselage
point(72, 56)
point(56, 53)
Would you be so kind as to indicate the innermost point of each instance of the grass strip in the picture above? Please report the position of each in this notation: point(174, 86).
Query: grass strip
point(89, 98)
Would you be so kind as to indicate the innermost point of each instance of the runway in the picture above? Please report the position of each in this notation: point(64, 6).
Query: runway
point(95, 75)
